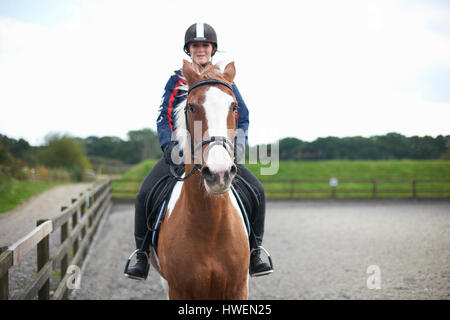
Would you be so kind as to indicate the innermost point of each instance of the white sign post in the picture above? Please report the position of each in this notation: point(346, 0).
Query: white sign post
point(333, 184)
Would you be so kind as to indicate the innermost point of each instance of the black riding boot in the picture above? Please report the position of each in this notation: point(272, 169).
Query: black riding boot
point(139, 271)
point(257, 266)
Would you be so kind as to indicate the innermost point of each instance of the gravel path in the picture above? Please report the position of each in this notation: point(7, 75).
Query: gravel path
point(321, 250)
point(17, 223)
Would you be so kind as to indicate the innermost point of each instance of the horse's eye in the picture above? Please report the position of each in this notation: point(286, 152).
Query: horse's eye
point(191, 108)
point(234, 106)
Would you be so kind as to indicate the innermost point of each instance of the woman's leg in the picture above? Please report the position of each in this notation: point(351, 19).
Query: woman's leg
point(256, 218)
point(139, 270)
point(160, 170)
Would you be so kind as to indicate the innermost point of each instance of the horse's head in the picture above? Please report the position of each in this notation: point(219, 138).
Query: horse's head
point(212, 105)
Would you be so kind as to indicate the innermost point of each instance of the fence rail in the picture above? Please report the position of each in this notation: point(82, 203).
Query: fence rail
point(323, 188)
point(78, 224)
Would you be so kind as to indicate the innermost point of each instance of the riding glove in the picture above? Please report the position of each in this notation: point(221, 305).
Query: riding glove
point(167, 149)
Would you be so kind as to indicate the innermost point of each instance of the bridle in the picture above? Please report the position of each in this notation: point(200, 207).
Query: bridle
point(211, 141)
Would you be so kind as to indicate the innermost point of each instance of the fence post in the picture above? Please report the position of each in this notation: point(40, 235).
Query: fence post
point(4, 281)
point(89, 204)
point(292, 189)
point(43, 256)
point(374, 188)
point(92, 199)
point(65, 259)
point(414, 189)
point(74, 225)
point(83, 228)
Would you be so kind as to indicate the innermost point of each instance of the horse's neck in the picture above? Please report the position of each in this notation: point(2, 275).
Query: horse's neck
point(204, 209)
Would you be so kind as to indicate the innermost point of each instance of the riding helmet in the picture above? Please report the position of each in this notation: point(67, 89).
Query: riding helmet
point(200, 32)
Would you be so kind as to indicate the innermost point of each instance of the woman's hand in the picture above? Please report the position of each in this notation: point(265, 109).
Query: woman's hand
point(167, 149)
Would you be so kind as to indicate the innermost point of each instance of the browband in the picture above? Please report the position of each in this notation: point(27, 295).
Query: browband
point(210, 81)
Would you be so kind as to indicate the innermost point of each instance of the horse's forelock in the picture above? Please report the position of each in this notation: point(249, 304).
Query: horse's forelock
point(212, 71)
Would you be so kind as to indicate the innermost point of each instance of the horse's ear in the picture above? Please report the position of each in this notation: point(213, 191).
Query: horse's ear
point(230, 72)
point(189, 73)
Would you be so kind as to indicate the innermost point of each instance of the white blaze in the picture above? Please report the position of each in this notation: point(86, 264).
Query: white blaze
point(217, 105)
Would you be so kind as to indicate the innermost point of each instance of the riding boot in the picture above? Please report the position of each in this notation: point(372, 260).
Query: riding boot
point(257, 266)
point(139, 271)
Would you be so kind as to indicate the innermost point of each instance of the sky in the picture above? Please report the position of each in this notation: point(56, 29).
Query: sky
point(305, 69)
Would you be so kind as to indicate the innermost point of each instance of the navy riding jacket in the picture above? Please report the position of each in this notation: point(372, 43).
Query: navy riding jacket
point(174, 94)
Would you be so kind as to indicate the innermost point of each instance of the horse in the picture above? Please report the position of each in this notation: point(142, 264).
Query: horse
point(203, 247)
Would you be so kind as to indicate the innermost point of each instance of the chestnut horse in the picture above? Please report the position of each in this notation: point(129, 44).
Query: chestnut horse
point(203, 246)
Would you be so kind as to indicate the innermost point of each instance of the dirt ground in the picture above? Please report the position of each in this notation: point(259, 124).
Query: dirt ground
point(321, 250)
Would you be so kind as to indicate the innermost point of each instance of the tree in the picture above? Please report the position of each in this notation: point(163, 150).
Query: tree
point(16, 148)
point(446, 154)
point(63, 151)
point(9, 166)
point(147, 142)
point(141, 144)
point(290, 148)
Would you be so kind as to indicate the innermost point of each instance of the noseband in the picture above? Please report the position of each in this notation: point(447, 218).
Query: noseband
point(212, 141)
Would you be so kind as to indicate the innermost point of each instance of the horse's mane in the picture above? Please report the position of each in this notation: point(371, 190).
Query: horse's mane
point(211, 71)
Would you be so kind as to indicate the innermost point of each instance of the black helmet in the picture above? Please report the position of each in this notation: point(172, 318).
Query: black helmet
point(200, 32)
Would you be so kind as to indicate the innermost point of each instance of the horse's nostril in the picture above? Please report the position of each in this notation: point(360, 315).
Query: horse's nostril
point(207, 174)
point(233, 170)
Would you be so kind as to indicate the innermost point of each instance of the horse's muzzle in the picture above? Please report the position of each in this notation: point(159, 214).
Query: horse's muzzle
point(219, 169)
point(218, 177)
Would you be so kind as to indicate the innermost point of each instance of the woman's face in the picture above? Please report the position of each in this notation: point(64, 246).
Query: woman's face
point(201, 52)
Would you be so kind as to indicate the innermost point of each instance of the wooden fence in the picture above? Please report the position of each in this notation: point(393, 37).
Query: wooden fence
point(77, 224)
point(356, 188)
point(326, 188)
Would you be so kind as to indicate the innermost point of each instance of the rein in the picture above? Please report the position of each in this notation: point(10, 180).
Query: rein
point(215, 140)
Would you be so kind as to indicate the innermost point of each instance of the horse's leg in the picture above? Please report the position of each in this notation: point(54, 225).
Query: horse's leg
point(242, 293)
point(178, 295)
point(165, 286)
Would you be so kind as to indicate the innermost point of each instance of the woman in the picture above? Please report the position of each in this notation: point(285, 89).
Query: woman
point(200, 43)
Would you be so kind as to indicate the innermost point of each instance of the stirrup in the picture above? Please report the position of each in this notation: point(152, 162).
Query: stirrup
point(125, 272)
point(261, 248)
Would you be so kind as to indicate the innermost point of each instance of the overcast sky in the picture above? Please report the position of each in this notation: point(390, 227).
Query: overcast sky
point(305, 69)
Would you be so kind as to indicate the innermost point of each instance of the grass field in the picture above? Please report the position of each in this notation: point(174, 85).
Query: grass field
point(14, 192)
point(355, 179)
